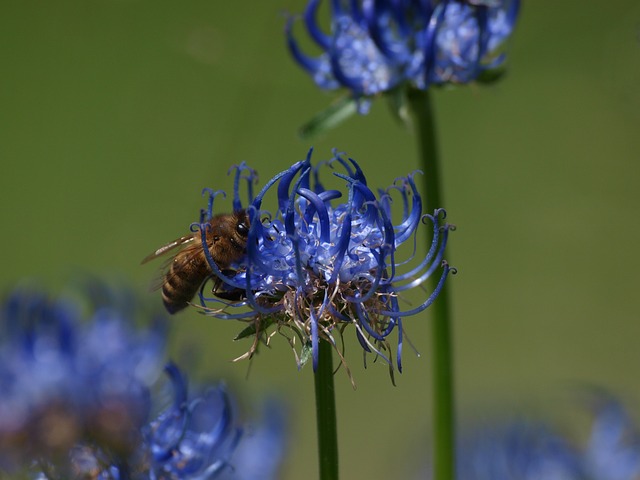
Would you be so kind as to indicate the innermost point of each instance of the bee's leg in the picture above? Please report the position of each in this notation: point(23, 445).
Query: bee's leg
point(232, 294)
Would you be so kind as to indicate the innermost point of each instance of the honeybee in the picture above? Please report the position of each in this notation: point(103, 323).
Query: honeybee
point(227, 241)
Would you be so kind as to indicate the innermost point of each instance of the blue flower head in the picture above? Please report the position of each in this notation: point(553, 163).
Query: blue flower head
point(613, 451)
point(327, 258)
point(197, 437)
point(78, 396)
point(375, 46)
point(522, 450)
point(65, 381)
point(532, 450)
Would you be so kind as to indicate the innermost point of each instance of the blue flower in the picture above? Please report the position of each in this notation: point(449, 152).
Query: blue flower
point(194, 438)
point(532, 450)
point(262, 448)
point(376, 46)
point(323, 262)
point(613, 451)
point(76, 398)
point(520, 450)
point(63, 381)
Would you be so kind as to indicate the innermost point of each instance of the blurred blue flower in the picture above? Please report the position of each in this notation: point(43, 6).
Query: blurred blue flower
point(76, 398)
point(529, 450)
point(194, 438)
point(613, 451)
point(63, 381)
point(520, 450)
point(318, 264)
point(376, 46)
point(262, 448)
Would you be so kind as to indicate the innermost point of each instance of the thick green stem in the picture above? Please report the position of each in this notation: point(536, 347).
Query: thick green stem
point(326, 413)
point(442, 355)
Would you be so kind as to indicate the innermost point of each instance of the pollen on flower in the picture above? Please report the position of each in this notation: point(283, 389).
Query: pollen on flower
point(327, 259)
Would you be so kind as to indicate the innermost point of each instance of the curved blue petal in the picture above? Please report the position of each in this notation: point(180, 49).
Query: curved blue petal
point(445, 271)
point(319, 208)
point(436, 261)
point(310, 21)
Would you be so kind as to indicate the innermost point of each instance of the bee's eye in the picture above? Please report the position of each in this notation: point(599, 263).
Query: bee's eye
point(242, 229)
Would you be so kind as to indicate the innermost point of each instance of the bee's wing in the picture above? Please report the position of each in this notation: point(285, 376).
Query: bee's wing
point(176, 263)
point(178, 242)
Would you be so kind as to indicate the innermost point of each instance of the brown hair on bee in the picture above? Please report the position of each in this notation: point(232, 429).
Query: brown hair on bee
point(226, 236)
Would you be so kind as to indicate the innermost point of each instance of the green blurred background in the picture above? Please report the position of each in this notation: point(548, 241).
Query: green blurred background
point(116, 113)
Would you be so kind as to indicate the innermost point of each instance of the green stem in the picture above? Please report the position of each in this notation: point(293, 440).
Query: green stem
point(326, 413)
point(442, 360)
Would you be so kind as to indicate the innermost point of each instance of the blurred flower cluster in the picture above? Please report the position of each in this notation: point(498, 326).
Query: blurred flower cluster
point(319, 264)
point(375, 46)
point(82, 399)
point(532, 450)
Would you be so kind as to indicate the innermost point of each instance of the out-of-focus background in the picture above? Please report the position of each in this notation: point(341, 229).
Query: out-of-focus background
point(114, 114)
